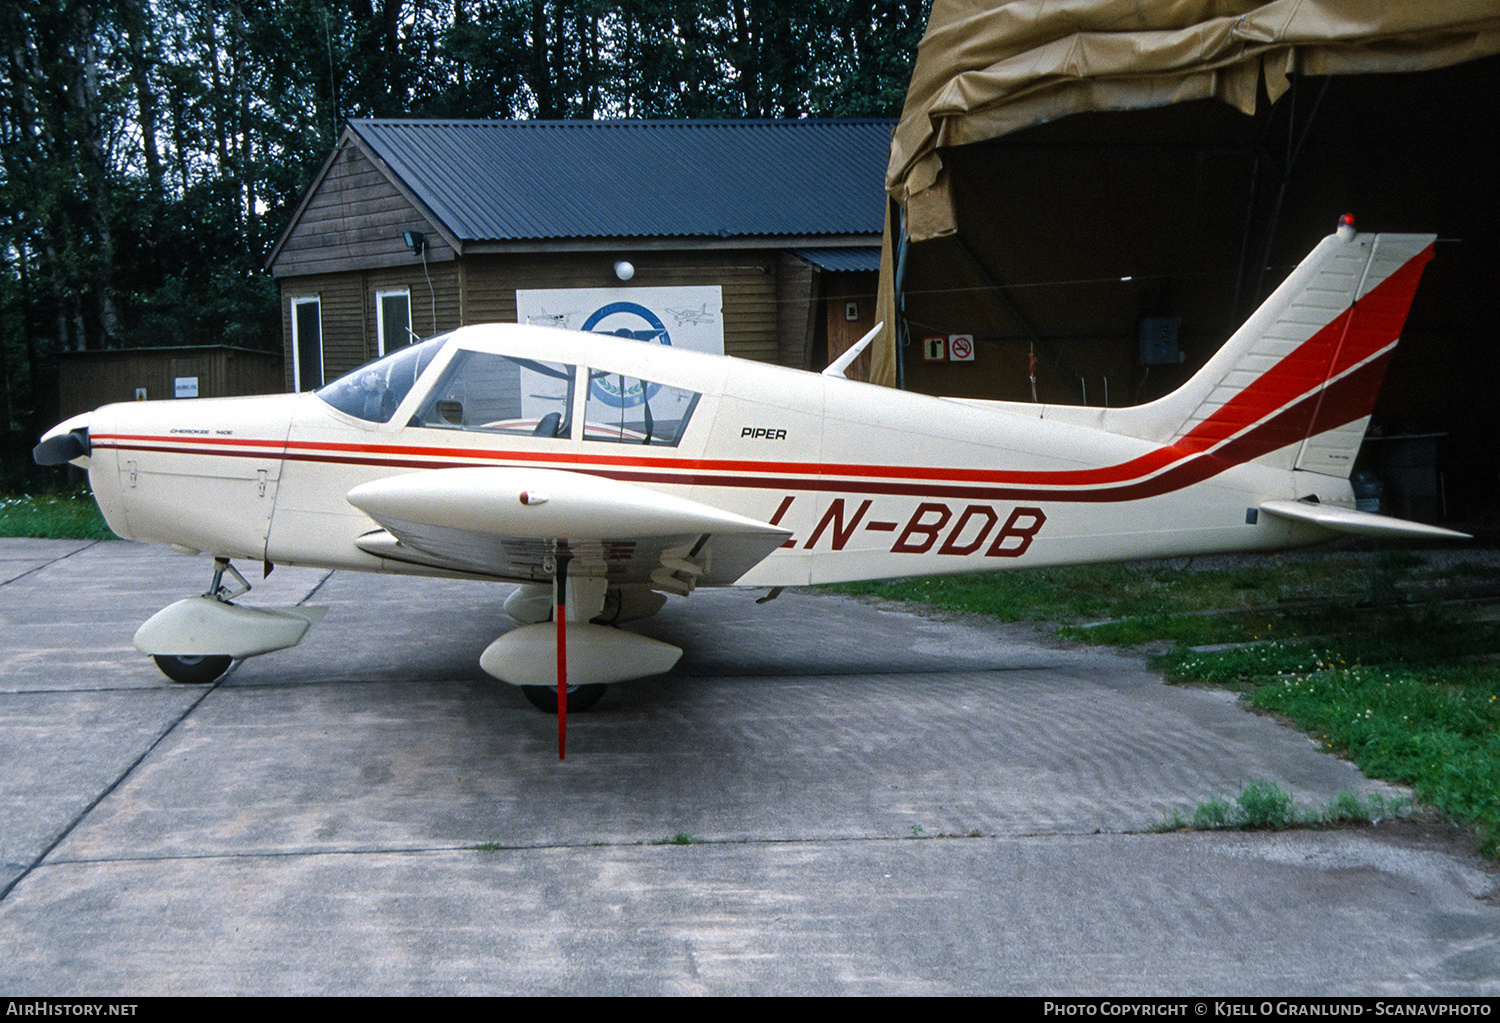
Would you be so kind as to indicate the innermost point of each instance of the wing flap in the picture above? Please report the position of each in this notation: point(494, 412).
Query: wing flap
point(1349, 520)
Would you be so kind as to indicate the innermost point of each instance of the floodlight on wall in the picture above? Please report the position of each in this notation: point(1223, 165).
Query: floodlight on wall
point(624, 270)
point(415, 241)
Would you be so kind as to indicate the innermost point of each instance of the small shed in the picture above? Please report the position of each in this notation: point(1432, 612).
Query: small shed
point(755, 238)
point(87, 380)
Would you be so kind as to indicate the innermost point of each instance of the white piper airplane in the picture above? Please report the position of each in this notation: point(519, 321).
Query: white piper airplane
point(602, 474)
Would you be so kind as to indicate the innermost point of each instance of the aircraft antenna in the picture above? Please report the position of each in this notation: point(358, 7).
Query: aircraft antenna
point(837, 367)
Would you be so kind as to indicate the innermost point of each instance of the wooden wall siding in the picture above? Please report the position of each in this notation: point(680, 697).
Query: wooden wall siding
point(749, 281)
point(343, 322)
point(91, 379)
point(348, 308)
point(439, 304)
point(355, 220)
point(769, 298)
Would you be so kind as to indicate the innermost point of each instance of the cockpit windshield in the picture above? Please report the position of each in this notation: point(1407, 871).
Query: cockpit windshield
point(373, 391)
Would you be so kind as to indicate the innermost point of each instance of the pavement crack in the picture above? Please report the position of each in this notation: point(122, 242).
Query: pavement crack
point(317, 586)
point(498, 847)
point(105, 792)
point(49, 564)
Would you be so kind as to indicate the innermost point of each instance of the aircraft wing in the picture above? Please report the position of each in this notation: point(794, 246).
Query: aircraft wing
point(1349, 520)
point(508, 523)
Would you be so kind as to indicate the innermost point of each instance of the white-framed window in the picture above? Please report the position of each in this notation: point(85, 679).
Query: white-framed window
point(626, 410)
point(392, 320)
point(307, 342)
point(500, 394)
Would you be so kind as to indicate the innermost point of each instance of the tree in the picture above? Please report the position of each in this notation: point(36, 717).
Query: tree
point(151, 150)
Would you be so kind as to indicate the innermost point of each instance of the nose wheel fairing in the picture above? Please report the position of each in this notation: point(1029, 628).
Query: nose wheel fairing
point(205, 626)
point(196, 639)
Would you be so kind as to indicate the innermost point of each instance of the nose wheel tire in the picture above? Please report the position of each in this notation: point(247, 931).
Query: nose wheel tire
point(544, 698)
point(199, 671)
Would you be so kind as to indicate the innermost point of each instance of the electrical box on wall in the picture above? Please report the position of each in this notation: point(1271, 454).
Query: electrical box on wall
point(1159, 341)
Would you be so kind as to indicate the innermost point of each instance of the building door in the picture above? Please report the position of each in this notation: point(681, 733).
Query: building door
point(307, 343)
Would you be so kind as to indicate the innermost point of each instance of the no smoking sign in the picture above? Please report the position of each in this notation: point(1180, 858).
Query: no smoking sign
point(961, 347)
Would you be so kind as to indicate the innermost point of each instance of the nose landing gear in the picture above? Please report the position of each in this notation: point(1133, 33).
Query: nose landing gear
point(194, 641)
point(201, 669)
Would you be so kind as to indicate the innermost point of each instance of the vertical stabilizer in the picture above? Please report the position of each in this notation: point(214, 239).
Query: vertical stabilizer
point(1301, 375)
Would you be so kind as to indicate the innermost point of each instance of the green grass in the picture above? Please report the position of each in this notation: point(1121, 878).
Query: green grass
point(1265, 806)
point(1434, 727)
point(68, 516)
point(1356, 649)
point(1129, 604)
point(1389, 682)
point(681, 838)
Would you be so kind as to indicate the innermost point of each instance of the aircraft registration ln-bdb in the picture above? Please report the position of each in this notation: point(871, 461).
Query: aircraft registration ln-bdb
point(603, 474)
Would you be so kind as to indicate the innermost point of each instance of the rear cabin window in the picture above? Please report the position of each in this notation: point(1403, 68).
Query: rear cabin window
point(628, 410)
point(499, 394)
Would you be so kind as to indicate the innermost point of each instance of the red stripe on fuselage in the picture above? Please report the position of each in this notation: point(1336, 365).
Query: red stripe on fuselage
point(1286, 404)
point(1343, 401)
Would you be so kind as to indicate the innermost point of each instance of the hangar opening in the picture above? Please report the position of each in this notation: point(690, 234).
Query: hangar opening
point(1096, 216)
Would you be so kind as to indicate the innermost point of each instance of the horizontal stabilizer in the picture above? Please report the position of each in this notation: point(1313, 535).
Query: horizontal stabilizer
point(1349, 520)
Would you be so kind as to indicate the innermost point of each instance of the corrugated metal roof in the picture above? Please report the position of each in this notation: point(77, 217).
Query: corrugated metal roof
point(517, 180)
point(842, 260)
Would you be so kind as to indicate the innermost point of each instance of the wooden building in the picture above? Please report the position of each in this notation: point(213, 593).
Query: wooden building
point(414, 227)
point(87, 380)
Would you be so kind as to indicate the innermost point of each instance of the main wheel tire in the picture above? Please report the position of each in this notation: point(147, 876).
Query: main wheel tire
point(198, 671)
point(544, 698)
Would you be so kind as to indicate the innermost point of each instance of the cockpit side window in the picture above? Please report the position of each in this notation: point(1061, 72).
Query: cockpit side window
point(500, 394)
point(628, 410)
point(373, 391)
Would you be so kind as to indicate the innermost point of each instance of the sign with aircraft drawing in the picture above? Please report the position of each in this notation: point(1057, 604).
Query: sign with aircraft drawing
point(685, 317)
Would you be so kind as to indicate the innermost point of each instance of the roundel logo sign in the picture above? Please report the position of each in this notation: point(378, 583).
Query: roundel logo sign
point(636, 322)
point(628, 319)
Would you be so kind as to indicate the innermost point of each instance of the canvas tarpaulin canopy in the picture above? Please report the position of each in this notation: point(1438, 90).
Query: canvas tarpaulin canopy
point(984, 69)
